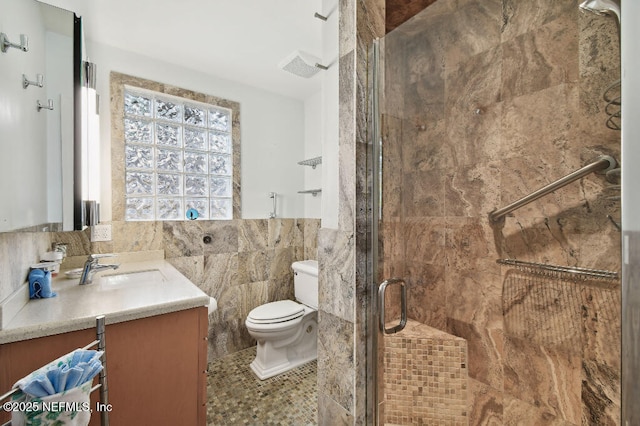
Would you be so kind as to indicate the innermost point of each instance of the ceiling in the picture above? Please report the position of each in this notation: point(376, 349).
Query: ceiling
point(399, 11)
point(239, 40)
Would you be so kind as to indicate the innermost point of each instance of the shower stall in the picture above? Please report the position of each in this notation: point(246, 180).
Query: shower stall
point(476, 104)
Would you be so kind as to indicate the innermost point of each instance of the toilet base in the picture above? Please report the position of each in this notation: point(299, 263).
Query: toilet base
point(284, 351)
point(265, 373)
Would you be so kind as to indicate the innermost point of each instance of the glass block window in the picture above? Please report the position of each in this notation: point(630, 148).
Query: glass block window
point(178, 158)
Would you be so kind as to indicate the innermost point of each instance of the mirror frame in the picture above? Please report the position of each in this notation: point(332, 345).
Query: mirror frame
point(73, 211)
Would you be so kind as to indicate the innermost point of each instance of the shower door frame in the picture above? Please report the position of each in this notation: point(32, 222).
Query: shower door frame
point(630, 377)
point(377, 283)
point(374, 156)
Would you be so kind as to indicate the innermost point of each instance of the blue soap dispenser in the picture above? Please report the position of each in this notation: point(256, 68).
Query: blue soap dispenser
point(40, 282)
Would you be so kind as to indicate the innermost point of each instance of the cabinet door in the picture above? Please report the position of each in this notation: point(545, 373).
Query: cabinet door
point(156, 367)
point(21, 358)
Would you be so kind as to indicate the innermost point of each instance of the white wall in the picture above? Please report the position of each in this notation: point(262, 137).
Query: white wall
point(330, 123)
point(313, 139)
point(272, 130)
point(23, 165)
point(321, 128)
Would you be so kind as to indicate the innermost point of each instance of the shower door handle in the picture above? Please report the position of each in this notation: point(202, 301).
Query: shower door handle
point(403, 305)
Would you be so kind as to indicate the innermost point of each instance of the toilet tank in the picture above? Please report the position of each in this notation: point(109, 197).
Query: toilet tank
point(305, 282)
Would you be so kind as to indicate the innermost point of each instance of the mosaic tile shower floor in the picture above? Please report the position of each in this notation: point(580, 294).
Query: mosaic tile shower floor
point(237, 397)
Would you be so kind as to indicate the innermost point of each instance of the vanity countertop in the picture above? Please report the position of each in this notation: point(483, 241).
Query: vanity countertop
point(76, 307)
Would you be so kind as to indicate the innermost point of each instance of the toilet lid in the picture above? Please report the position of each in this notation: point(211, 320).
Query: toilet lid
point(280, 311)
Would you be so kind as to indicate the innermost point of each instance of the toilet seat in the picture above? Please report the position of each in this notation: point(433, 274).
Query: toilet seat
point(276, 312)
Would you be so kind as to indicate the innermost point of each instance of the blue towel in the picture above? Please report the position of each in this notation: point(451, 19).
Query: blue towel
point(39, 386)
point(40, 284)
point(77, 368)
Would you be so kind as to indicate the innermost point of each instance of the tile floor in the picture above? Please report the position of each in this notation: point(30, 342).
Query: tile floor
point(237, 397)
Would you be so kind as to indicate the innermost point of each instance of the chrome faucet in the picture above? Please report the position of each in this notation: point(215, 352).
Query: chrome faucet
point(91, 266)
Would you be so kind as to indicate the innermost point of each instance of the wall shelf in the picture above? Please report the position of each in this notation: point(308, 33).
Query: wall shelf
point(313, 192)
point(313, 162)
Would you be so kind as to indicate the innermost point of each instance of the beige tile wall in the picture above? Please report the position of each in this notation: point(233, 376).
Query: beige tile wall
point(490, 101)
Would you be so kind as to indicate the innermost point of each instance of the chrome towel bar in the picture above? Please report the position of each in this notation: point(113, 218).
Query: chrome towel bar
point(100, 342)
point(603, 163)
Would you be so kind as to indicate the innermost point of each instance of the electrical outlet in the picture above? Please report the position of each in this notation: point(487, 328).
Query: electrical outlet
point(101, 233)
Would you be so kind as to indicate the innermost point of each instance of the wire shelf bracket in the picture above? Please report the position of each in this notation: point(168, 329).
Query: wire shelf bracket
point(313, 192)
point(313, 162)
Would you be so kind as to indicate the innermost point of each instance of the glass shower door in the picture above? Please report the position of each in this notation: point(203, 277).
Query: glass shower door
point(420, 369)
point(388, 291)
point(475, 104)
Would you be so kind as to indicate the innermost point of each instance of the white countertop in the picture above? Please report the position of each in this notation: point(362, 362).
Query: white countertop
point(76, 306)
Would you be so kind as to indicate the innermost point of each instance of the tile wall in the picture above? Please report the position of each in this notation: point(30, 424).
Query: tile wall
point(18, 250)
point(488, 101)
point(342, 252)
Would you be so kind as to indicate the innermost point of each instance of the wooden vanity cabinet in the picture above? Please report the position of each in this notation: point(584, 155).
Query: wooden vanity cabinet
point(156, 367)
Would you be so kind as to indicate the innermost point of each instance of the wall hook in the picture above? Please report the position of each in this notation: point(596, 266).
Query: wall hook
point(6, 44)
point(49, 105)
point(272, 213)
point(38, 83)
point(319, 16)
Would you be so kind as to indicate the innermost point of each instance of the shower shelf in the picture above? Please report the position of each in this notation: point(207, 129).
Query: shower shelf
point(569, 273)
point(313, 162)
point(313, 192)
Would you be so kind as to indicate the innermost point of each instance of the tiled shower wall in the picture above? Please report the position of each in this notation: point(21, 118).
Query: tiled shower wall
point(487, 101)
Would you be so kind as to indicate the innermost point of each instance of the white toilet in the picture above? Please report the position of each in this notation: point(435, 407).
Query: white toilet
point(287, 331)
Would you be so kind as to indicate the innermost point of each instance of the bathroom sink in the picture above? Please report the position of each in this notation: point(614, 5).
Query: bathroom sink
point(137, 289)
point(133, 278)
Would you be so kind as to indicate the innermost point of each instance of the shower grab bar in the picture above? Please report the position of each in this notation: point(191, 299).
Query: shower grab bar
point(567, 272)
point(603, 163)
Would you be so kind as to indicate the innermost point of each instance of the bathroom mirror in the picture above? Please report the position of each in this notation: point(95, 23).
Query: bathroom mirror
point(40, 123)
